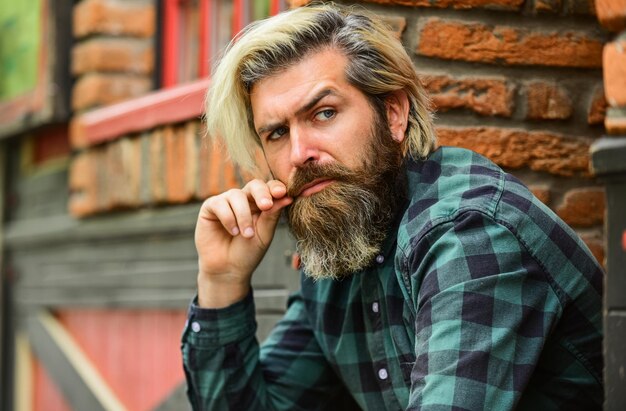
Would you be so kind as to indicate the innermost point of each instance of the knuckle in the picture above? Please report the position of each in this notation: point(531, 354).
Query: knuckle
point(256, 184)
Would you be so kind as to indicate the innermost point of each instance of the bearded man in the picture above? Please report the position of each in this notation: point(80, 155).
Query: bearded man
point(431, 278)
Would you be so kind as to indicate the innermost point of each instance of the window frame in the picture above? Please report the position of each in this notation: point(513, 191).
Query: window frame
point(207, 32)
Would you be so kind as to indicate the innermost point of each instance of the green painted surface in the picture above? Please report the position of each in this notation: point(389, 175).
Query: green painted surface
point(20, 29)
point(260, 9)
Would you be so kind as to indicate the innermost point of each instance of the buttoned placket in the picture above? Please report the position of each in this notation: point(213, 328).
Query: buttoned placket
point(373, 300)
point(377, 308)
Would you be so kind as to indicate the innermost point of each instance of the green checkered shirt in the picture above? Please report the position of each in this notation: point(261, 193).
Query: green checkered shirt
point(481, 299)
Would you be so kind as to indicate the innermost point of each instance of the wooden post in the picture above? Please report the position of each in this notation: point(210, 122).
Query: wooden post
point(4, 385)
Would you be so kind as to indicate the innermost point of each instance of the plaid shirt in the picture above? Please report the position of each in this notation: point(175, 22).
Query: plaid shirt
point(480, 299)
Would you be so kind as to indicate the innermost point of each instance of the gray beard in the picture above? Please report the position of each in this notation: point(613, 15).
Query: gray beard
point(341, 230)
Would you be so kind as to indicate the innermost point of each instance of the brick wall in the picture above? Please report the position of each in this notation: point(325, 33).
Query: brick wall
point(612, 15)
point(518, 81)
point(113, 54)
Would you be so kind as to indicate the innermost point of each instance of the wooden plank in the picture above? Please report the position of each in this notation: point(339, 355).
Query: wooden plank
point(3, 283)
point(114, 297)
point(615, 281)
point(607, 155)
point(130, 298)
point(615, 360)
point(79, 381)
point(136, 351)
point(23, 374)
point(39, 194)
point(168, 106)
point(41, 232)
point(148, 266)
point(176, 401)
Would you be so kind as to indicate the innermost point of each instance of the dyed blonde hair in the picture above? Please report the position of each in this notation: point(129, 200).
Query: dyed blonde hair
point(377, 65)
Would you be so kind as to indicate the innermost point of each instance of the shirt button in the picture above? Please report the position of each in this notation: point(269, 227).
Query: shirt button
point(382, 374)
point(380, 258)
point(375, 306)
point(195, 326)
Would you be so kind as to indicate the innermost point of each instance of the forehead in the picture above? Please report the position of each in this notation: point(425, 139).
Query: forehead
point(278, 95)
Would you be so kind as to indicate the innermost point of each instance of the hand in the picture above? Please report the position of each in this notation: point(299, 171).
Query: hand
point(233, 232)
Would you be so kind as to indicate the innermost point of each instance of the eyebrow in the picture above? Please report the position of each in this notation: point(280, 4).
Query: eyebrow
point(306, 107)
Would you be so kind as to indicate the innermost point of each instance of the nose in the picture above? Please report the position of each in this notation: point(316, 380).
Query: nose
point(303, 147)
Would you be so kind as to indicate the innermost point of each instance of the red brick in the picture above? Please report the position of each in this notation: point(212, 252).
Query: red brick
point(83, 184)
point(205, 150)
point(516, 148)
point(582, 207)
point(546, 101)
point(597, 107)
point(113, 55)
point(121, 174)
point(542, 192)
point(595, 242)
point(485, 96)
point(217, 172)
point(77, 136)
point(612, 14)
point(94, 89)
point(158, 188)
point(397, 24)
point(615, 73)
point(176, 158)
point(455, 4)
point(552, 6)
point(477, 42)
point(583, 7)
point(189, 133)
point(110, 172)
point(114, 17)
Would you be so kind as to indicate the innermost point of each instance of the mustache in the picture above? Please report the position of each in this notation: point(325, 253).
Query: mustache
point(313, 171)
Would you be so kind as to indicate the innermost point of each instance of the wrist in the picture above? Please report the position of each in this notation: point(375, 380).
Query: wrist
point(220, 291)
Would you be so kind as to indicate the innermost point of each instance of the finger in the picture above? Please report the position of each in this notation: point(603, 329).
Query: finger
point(240, 206)
point(277, 188)
point(217, 208)
point(279, 204)
point(267, 221)
point(260, 194)
point(274, 212)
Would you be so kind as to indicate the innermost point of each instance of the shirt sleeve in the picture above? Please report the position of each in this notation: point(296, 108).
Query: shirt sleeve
point(483, 308)
point(227, 370)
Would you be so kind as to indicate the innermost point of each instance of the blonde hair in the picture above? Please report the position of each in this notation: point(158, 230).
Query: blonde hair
point(377, 65)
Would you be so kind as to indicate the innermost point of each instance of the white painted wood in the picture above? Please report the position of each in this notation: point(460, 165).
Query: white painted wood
point(23, 374)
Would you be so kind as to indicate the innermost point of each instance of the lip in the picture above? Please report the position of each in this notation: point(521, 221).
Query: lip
point(314, 187)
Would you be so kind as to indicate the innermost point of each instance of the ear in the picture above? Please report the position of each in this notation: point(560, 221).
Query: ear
point(397, 105)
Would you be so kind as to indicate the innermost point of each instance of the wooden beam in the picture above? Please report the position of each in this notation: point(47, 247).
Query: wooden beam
point(4, 283)
point(175, 401)
point(205, 52)
point(171, 42)
point(23, 375)
point(79, 381)
point(168, 106)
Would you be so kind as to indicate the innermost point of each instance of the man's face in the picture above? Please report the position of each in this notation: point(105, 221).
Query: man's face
point(310, 113)
point(323, 139)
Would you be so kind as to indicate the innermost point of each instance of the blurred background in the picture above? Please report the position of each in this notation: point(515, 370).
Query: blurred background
point(103, 165)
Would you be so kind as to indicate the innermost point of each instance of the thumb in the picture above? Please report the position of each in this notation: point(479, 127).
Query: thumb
point(266, 224)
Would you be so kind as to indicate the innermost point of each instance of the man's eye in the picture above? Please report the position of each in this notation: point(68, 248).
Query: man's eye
point(278, 133)
point(325, 114)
